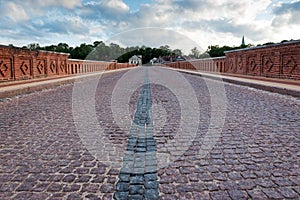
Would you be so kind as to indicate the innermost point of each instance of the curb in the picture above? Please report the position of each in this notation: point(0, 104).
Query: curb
point(248, 83)
point(19, 89)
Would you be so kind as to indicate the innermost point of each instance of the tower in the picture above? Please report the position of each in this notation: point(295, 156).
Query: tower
point(243, 42)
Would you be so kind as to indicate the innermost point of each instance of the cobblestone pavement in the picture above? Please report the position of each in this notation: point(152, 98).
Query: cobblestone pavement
point(256, 156)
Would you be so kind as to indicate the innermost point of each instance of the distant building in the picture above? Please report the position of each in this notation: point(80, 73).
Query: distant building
point(153, 60)
point(136, 60)
point(157, 60)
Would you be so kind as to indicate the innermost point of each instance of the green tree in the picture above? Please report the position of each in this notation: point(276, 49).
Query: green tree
point(195, 53)
point(147, 53)
point(268, 43)
point(82, 51)
point(166, 48)
point(34, 46)
point(63, 47)
point(176, 52)
point(217, 51)
point(204, 55)
point(50, 48)
point(115, 51)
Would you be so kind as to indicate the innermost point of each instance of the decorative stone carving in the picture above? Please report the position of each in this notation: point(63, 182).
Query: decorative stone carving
point(289, 64)
point(5, 65)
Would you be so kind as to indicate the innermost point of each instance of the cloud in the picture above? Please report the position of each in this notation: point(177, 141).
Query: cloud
point(204, 17)
point(116, 5)
point(14, 11)
point(195, 5)
point(286, 13)
point(287, 8)
point(154, 37)
point(104, 11)
point(69, 4)
point(74, 26)
point(205, 21)
point(227, 26)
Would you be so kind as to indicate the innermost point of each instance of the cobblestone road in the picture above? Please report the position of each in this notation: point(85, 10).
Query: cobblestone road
point(257, 155)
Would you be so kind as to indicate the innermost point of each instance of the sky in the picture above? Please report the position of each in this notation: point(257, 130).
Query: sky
point(177, 23)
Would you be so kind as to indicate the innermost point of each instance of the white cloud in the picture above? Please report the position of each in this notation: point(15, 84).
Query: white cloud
point(206, 22)
point(116, 5)
point(227, 18)
point(152, 36)
point(65, 3)
point(15, 12)
point(286, 14)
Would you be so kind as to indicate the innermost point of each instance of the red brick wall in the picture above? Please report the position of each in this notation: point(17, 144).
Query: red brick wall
point(277, 61)
point(17, 63)
point(85, 66)
point(209, 64)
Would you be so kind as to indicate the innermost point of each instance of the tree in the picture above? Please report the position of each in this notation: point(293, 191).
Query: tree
point(268, 43)
point(176, 52)
point(98, 43)
point(50, 48)
point(82, 51)
point(147, 53)
point(204, 55)
point(166, 48)
point(216, 51)
point(115, 51)
point(63, 47)
point(195, 53)
point(34, 46)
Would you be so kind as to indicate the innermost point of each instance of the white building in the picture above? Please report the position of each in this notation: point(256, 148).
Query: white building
point(136, 60)
point(157, 60)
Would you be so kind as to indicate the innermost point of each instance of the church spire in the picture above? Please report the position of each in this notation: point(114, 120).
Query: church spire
point(243, 41)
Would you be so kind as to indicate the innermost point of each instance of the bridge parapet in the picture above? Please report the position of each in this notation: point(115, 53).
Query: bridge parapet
point(208, 64)
point(84, 66)
point(278, 61)
point(18, 63)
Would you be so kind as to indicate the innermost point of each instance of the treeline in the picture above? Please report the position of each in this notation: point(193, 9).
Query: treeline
point(214, 51)
point(148, 53)
point(96, 51)
point(102, 52)
point(218, 51)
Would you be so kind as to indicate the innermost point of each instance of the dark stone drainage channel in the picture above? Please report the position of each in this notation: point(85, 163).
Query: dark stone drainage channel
point(138, 176)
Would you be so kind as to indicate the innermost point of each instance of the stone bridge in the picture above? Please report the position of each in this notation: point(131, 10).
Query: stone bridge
point(224, 128)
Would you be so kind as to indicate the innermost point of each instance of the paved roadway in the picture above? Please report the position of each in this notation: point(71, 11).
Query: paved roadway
point(255, 156)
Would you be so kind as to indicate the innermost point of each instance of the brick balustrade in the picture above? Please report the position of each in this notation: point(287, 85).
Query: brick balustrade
point(84, 66)
point(17, 64)
point(278, 61)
